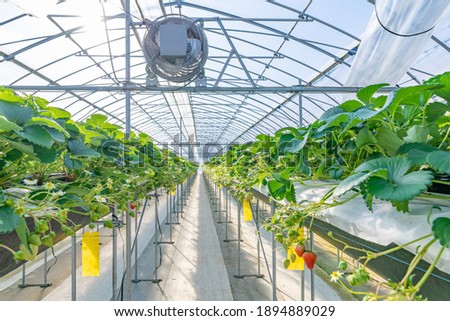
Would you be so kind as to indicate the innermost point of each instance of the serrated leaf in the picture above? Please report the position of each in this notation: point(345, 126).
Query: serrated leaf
point(6, 125)
point(335, 120)
point(444, 81)
point(56, 135)
point(72, 163)
point(441, 230)
point(13, 155)
point(25, 148)
point(290, 194)
point(435, 110)
point(56, 113)
point(352, 181)
point(45, 155)
point(37, 135)
point(15, 113)
point(331, 112)
point(417, 134)
point(365, 94)
point(350, 105)
point(297, 144)
point(78, 190)
point(46, 122)
point(8, 220)
point(399, 185)
point(7, 94)
point(77, 148)
point(439, 160)
point(277, 189)
point(388, 140)
point(364, 137)
point(417, 153)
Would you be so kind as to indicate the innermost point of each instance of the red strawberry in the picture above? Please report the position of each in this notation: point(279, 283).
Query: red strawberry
point(132, 206)
point(299, 249)
point(310, 258)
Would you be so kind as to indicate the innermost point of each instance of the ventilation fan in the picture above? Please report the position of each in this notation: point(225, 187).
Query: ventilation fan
point(175, 48)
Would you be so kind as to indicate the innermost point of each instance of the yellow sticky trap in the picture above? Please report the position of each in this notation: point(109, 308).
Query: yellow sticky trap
point(248, 216)
point(298, 264)
point(90, 254)
point(172, 192)
point(220, 186)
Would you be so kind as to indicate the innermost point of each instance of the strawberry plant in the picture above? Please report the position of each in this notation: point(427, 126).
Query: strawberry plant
point(51, 165)
point(381, 148)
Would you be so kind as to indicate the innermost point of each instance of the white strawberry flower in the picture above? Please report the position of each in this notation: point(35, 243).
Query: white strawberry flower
point(335, 276)
point(49, 186)
point(100, 199)
point(30, 182)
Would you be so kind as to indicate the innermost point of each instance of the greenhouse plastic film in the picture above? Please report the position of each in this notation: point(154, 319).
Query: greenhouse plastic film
point(385, 56)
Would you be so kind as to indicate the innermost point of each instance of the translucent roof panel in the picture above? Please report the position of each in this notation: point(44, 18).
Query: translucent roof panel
point(73, 53)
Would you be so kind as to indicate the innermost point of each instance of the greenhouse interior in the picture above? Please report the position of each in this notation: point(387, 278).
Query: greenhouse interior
point(278, 150)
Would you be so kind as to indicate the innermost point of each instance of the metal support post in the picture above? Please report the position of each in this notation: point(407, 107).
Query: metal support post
point(136, 245)
point(45, 283)
point(114, 254)
point(274, 259)
point(74, 268)
point(226, 213)
point(220, 206)
point(157, 246)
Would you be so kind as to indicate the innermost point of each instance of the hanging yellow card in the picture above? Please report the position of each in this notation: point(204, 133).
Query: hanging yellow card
point(90, 254)
point(247, 211)
point(298, 264)
point(220, 185)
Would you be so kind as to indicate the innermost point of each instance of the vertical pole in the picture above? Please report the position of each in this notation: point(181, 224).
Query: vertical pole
point(274, 259)
point(302, 277)
point(220, 205)
point(338, 256)
point(23, 275)
point(257, 237)
point(311, 245)
point(169, 217)
point(74, 268)
point(114, 255)
point(300, 107)
point(45, 267)
point(136, 245)
point(127, 136)
point(227, 208)
point(239, 238)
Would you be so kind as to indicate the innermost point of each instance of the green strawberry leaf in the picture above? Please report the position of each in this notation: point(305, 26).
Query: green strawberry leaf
point(417, 153)
point(37, 135)
point(353, 181)
point(277, 189)
point(6, 125)
point(350, 105)
point(8, 219)
point(46, 122)
point(21, 146)
point(45, 155)
point(15, 113)
point(440, 161)
point(364, 137)
point(77, 148)
point(417, 134)
point(365, 94)
point(441, 230)
point(72, 163)
point(388, 140)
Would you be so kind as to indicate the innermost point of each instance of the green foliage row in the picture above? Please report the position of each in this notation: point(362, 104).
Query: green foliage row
point(51, 165)
point(384, 148)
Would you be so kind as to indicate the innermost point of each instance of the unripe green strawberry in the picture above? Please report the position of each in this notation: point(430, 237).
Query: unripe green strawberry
point(67, 230)
point(293, 257)
point(34, 239)
point(18, 256)
point(108, 224)
point(286, 263)
point(8, 202)
point(102, 209)
point(47, 240)
point(94, 217)
point(343, 265)
point(41, 226)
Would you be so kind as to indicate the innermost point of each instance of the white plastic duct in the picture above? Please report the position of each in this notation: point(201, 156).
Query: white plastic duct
point(395, 36)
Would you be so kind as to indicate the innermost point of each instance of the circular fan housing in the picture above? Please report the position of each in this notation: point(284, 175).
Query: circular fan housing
point(180, 68)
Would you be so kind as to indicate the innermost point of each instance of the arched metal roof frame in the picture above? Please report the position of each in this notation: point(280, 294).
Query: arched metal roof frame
point(254, 110)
